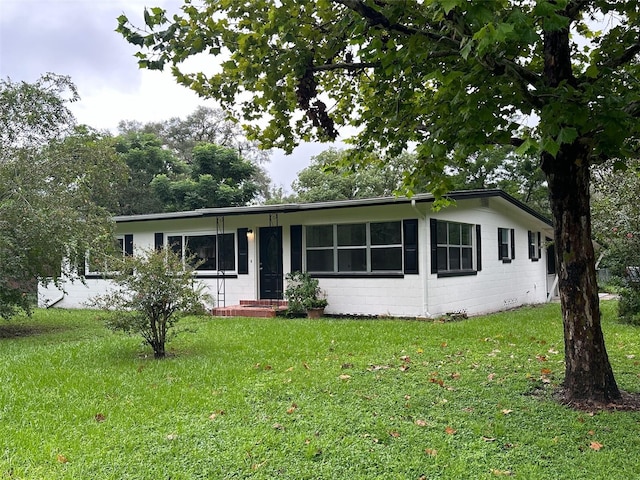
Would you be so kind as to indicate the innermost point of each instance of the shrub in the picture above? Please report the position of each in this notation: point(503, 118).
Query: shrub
point(152, 292)
point(303, 293)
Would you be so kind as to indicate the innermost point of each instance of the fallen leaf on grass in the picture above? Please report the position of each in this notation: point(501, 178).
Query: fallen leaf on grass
point(506, 411)
point(344, 376)
point(292, 408)
point(172, 436)
point(394, 434)
point(421, 423)
point(404, 368)
point(595, 446)
point(306, 366)
point(455, 375)
point(62, 459)
point(216, 414)
point(290, 369)
point(591, 432)
point(277, 426)
point(375, 368)
point(501, 473)
point(432, 452)
point(450, 431)
point(545, 371)
point(100, 417)
point(488, 439)
point(405, 359)
point(541, 358)
point(491, 376)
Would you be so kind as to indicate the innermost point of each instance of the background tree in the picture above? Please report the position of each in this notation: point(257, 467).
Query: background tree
point(218, 178)
point(152, 292)
point(332, 175)
point(500, 167)
point(166, 149)
point(616, 225)
point(204, 125)
point(50, 180)
point(450, 76)
point(146, 158)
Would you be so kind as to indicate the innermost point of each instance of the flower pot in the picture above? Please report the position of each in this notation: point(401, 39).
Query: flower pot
point(315, 312)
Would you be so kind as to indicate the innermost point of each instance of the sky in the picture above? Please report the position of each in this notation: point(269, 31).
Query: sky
point(77, 38)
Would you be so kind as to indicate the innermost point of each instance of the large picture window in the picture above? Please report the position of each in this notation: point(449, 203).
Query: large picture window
point(207, 252)
point(374, 247)
point(454, 246)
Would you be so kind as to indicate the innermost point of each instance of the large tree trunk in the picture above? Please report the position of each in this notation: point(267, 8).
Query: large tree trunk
point(588, 373)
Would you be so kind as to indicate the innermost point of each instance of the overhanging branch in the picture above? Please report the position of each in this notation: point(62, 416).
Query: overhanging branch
point(376, 18)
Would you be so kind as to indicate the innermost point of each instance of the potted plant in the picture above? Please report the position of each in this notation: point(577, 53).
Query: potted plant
point(304, 295)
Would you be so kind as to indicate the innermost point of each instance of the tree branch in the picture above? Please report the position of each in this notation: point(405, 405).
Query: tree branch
point(626, 56)
point(575, 7)
point(375, 18)
point(344, 66)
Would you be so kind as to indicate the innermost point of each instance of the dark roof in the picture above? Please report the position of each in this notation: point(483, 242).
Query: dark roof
point(301, 207)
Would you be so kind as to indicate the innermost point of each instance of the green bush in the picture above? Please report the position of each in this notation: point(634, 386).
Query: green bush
point(303, 293)
point(629, 304)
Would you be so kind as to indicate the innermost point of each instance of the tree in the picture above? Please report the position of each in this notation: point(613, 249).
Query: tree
point(152, 292)
point(174, 141)
point(146, 158)
point(501, 167)
point(616, 225)
point(218, 178)
point(332, 175)
point(204, 125)
point(453, 78)
point(50, 179)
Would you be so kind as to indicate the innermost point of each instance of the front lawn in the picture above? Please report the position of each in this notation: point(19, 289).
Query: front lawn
point(316, 399)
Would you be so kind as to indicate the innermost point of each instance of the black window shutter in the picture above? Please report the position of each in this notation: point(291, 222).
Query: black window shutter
point(478, 248)
point(296, 248)
point(530, 240)
point(433, 226)
point(128, 245)
point(513, 244)
point(499, 243)
point(158, 240)
point(410, 228)
point(243, 251)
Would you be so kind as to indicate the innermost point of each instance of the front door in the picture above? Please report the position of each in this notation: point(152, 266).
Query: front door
point(271, 278)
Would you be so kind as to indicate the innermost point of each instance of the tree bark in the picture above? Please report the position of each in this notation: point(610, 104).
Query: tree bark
point(588, 373)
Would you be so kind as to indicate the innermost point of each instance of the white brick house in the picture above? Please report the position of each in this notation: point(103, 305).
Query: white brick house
point(382, 256)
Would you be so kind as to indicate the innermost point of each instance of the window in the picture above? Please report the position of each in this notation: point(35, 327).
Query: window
point(374, 247)
point(535, 248)
point(454, 248)
point(207, 252)
point(98, 266)
point(506, 244)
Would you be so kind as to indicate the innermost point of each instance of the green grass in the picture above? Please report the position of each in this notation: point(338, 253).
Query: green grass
point(298, 399)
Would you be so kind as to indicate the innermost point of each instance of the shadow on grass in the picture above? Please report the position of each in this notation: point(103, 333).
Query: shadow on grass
point(15, 330)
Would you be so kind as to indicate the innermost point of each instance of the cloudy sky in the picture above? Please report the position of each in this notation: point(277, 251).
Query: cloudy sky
point(77, 38)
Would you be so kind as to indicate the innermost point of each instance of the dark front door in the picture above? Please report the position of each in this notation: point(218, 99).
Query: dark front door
point(271, 278)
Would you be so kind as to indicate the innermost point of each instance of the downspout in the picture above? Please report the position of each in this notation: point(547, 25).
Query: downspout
point(424, 277)
point(57, 301)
